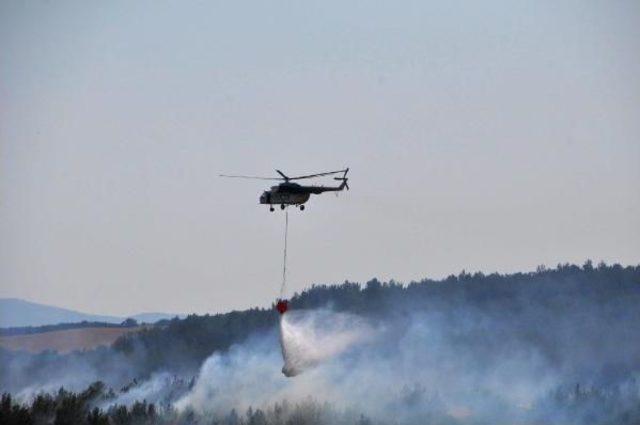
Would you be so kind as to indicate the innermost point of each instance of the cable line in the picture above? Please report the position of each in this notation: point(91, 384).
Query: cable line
point(284, 261)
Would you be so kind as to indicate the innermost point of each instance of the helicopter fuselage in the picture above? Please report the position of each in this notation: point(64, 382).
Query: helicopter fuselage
point(289, 193)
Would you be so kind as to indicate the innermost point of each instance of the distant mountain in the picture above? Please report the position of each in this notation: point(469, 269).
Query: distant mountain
point(17, 313)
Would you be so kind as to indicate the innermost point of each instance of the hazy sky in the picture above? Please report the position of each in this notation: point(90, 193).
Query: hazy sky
point(490, 136)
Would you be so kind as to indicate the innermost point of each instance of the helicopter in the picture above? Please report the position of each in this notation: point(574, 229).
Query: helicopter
point(290, 193)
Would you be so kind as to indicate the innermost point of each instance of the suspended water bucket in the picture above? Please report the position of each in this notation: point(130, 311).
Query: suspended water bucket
point(282, 306)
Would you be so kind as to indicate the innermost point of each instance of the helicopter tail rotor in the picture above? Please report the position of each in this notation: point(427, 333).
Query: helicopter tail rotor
point(343, 179)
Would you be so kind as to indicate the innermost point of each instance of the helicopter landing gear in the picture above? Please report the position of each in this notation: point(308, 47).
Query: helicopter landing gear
point(282, 206)
point(301, 207)
point(272, 209)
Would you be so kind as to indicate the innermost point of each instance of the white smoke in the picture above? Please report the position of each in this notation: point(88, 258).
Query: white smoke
point(249, 374)
point(406, 372)
point(419, 367)
point(161, 389)
point(242, 377)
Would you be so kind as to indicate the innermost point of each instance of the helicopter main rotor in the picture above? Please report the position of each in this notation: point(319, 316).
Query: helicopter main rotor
point(286, 178)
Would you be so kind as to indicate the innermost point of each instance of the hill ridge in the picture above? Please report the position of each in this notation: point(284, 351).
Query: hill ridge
point(18, 312)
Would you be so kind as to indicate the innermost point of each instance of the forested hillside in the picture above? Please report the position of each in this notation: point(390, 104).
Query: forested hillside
point(589, 302)
point(572, 328)
point(585, 299)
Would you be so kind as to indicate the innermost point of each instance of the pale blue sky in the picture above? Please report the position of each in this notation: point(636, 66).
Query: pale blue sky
point(489, 136)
